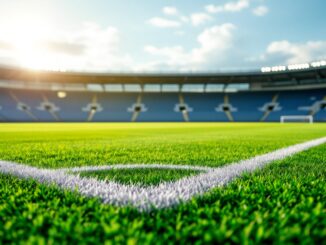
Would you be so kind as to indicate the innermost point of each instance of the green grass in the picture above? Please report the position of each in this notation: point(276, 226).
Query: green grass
point(143, 177)
point(206, 144)
point(282, 203)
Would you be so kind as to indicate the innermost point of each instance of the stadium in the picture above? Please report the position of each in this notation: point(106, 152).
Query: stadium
point(297, 92)
point(183, 124)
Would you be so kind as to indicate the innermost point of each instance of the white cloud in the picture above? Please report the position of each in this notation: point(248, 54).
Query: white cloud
point(287, 53)
point(260, 10)
point(168, 10)
point(199, 18)
point(177, 20)
point(228, 7)
point(87, 48)
point(297, 52)
point(164, 23)
point(212, 44)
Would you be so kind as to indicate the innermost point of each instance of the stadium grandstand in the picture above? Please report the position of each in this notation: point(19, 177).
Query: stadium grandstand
point(267, 95)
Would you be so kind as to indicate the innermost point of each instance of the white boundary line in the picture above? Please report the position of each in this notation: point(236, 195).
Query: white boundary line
point(164, 195)
point(135, 166)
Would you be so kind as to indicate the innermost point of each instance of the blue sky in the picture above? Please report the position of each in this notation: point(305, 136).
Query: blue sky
point(161, 35)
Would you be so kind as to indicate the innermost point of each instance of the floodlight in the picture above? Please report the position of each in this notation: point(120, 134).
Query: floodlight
point(62, 94)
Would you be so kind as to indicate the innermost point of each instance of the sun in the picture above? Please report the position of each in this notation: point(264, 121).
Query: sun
point(27, 35)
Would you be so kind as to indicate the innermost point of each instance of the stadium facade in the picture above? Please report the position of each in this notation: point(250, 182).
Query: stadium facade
point(265, 95)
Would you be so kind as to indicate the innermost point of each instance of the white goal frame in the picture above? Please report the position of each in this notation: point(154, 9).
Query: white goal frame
point(295, 118)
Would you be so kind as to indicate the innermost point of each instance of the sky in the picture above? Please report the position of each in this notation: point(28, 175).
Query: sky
point(161, 35)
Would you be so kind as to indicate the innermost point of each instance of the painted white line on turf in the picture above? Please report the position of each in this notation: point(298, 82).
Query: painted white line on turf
point(161, 196)
point(135, 166)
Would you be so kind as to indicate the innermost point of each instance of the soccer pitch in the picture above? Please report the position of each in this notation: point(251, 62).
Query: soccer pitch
point(282, 202)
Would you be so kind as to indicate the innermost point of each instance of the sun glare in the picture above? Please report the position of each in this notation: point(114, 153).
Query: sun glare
point(27, 36)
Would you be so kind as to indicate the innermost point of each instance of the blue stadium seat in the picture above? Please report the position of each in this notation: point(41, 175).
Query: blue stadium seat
point(19, 105)
point(160, 108)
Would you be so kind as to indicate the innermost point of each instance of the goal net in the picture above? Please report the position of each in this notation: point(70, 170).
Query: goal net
point(306, 119)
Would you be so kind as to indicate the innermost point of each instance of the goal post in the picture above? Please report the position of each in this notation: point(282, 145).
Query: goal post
point(309, 119)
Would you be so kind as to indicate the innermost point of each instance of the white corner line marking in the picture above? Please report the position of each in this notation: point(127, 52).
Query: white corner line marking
point(164, 195)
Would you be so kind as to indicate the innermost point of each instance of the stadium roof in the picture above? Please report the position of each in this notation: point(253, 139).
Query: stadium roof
point(19, 74)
